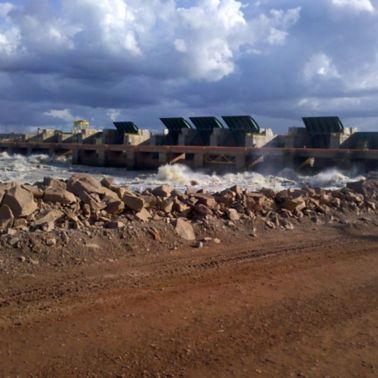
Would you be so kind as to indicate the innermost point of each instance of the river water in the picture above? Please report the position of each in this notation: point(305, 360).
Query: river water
point(30, 169)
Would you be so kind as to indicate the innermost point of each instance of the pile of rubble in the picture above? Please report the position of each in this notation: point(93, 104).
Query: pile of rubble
point(82, 202)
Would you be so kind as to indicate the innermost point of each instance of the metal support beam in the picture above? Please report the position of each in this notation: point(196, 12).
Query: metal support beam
point(177, 158)
point(309, 162)
point(256, 161)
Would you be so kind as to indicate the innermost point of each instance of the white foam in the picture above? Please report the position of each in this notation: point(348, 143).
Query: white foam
point(34, 168)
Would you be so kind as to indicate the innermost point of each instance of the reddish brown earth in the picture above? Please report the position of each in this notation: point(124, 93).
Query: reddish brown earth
point(302, 303)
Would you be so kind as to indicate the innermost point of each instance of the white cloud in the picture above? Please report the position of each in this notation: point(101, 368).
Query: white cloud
point(320, 66)
point(155, 58)
point(61, 114)
point(5, 8)
point(113, 114)
point(200, 41)
point(357, 5)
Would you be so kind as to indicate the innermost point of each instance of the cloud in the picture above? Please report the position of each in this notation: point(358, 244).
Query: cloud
point(61, 114)
point(320, 66)
point(113, 114)
point(357, 5)
point(139, 60)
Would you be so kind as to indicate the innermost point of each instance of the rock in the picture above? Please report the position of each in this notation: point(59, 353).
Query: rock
point(14, 242)
point(236, 189)
point(50, 242)
point(52, 183)
point(233, 215)
point(217, 241)
point(155, 234)
point(115, 207)
point(4, 187)
point(93, 245)
point(12, 231)
point(22, 259)
point(270, 224)
point(48, 227)
point(37, 192)
point(354, 197)
point(20, 201)
point(199, 245)
point(167, 206)
point(258, 202)
point(325, 199)
point(202, 210)
point(288, 226)
point(206, 199)
point(180, 207)
point(110, 195)
point(162, 191)
point(294, 204)
point(115, 225)
point(336, 202)
point(133, 202)
point(73, 219)
point(50, 217)
point(371, 205)
point(90, 191)
point(20, 224)
point(59, 195)
point(81, 182)
point(269, 193)
point(93, 201)
point(143, 215)
point(107, 182)
point(185, 230)
point(6, 218)
point(33, 261)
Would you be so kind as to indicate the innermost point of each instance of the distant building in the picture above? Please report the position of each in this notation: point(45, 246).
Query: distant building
point(80, 125)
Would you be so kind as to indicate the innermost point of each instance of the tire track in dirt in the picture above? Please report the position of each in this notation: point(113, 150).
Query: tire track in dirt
point(73, 285)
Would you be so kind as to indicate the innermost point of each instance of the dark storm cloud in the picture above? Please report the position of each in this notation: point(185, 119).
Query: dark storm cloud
point(126, 59)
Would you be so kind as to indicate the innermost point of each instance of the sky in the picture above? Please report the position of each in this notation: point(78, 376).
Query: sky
point(134, 60)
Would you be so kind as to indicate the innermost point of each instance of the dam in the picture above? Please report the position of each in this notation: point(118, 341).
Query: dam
point(236, 144)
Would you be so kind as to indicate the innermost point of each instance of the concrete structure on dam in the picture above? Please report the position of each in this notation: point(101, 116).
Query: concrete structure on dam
point(234, 143)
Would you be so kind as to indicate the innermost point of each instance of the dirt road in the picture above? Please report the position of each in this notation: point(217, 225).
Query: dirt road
point(295, 305)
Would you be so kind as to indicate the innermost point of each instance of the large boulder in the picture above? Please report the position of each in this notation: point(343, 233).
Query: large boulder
point(20, 201)
point(167, 205)
point(49, 218)
point(107, 182)
point(180, 207)
point(133, 202)
point(143, 215)
point(258, 202)
point(4, 187)
point(59, 195)
point(83, 182)
point(185, 230)
point(91, 191)
point(202, 210)
point(34, 189)
point(294, 204)
point(6, 218)
point(50, 182)
point(115, 207)
point(206, 199)
point(162, 191)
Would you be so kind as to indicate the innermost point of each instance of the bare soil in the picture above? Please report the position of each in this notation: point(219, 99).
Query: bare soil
point(299, 303)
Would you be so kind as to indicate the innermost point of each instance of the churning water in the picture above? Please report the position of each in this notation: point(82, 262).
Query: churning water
point(30, 169)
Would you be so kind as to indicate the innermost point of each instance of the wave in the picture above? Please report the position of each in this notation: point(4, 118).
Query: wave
point(33, 168)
